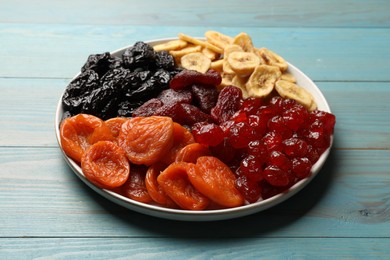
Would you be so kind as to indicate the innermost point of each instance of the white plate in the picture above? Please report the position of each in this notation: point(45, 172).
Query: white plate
point(206, 215)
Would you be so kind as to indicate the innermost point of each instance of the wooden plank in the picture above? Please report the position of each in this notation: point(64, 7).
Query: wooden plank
point(185, 248)
point(28, 109)
point(328, 54)
point(300, 13)
point(41, 197)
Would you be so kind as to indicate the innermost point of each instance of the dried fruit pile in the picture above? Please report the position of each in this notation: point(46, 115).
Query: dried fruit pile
point(193, 124)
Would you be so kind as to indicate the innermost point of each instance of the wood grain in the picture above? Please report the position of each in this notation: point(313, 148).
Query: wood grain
point(329, 54)
point(40, 194)
point(229, 13)
point(172, 248)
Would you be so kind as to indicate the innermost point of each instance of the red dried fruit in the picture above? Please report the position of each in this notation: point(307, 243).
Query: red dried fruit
point(224, 151)
point(170, 96)
point(276, 176)
point(295, 117)
point(273, 141)
point(228, 103)
point(251, 105)
point(206, 96)
point(186, 78)
point(249, 189)
point(251, 168)
point(280, 160)
point(184, 114)
point(241, 134)
point(208, 134)
point(149, 108)
point(301, 167)
point(295, 147)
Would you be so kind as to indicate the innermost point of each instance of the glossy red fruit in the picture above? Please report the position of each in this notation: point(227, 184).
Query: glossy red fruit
point(228, 103)
point(209, 134)
point(249, 189)
point(295, 147)
point(301, 167)
point(276, 176)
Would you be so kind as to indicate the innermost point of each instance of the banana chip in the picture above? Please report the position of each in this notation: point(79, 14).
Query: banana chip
point(287, 89)
point(262, 81)
point(196, 61)
point(170, 46)
point(218, 39)
point(243, 63)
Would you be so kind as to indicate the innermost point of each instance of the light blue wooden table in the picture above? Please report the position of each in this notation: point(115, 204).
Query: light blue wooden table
point(46, 212)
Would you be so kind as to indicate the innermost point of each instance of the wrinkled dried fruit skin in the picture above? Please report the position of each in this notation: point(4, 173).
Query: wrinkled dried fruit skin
point(184, 114)
point(206, 96)
point(148, 108)
point(228, 103)
point(187, 78)
point(138, 55)
point(78, 90)
point(115, 86)
point(100, 63)
point(170, 96)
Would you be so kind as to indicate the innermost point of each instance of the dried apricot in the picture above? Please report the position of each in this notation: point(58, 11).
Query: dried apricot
point(79, 132)
point(191, 152)
point(215, 180)
point(175, 183)
point(146, 140)
point(115, 125)
point(105, 165)
point(181, 137)
point(135, 188)
point(154, 189)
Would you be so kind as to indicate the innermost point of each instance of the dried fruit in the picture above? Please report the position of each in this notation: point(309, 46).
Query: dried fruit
point(262, 80)
point(105, 165)
point(175, 183)
point(196, 61)
point(146, 140)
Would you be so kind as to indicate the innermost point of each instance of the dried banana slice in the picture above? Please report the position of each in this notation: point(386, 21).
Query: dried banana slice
point(196, 61)
point(226, 52)
point(289, 77)
point(262, 80)
point(243, 63)
point(273, 59)
point(211, 54)
point(226, 80)
point(244, 41)
point(195, 41)
point(291, 90)
point(217, 65)
point(240, 82)
point(218, 39)
point(177, 54)
point(170, 46)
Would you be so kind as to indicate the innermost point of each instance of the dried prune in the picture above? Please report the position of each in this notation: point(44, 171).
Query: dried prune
point(228, 103)
point(206, 96)
point(78, 89)
point(126, 108)
point(164, 60)
point(187, 78)
point(139, 55)
point(100, 63)
point(151, 87)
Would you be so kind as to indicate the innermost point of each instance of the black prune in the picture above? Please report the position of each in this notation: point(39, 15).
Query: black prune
point(164, 60)
point(78, 89)
point(139, 55)
point(100, 63)
point(126, 108)
point(151, 87)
